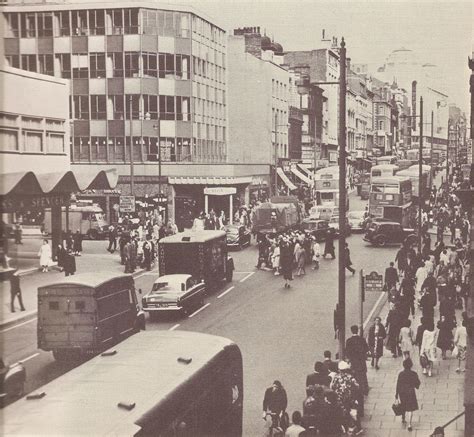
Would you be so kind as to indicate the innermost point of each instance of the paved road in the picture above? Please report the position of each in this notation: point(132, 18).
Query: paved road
point(281, 331)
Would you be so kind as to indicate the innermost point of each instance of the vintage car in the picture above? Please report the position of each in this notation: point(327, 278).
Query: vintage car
point(381, 233)
point(334, 223)
point(237, 236)
point(12, 382)
point(315, 227)
point(356, 220)
point(180, 293)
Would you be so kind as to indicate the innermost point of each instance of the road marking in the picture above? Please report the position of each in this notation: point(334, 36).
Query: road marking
point(28, 358)
point(199, 310)
point(174, 327)
point(367, 320)
point(246, 277)
point(19, 324)
point(225, 292)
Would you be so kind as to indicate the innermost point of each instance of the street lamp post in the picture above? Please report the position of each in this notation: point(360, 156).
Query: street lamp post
point(132, 182)
point(420, 178)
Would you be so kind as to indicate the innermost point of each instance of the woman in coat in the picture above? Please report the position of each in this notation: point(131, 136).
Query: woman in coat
point(406, 339)
point(60, 255)
point(393, 324)
point(45, 255)
point(77, 245)
point(428, 347)
point(445, 336)
point(300, 259)
point(286, 262)
point(376, 337)
point(460, 342)
point(407, 383)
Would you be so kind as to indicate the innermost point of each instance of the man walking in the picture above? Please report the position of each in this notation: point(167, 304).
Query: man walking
point(15, 291)
point(329, 246)
point(391, 277)
point(112, 239)
point(347, 259)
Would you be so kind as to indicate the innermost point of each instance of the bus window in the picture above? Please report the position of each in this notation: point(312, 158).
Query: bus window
point(376, 173)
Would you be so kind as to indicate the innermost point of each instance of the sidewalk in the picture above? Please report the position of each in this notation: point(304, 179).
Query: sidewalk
point(440, 398)
point(32, 278)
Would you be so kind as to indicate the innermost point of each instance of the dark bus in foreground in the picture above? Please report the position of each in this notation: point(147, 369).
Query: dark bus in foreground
point(156, 383)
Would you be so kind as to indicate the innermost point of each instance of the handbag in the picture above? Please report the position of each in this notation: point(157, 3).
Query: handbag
point(424, 360)
point(455, 352)
point(397, 408)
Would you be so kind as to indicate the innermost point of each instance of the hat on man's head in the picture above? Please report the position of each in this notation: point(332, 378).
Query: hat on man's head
point(343, 365)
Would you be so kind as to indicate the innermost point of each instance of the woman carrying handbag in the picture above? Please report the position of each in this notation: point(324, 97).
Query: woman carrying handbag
point(407, 383)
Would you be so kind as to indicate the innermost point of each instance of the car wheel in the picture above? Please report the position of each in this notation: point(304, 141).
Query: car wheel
point(381, 241)
point(18, 389)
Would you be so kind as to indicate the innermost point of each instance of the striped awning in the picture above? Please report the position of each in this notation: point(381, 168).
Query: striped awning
point(305, 169)
point(301, 176)
point(29, 183)
point(291, 186)
point(204, 180)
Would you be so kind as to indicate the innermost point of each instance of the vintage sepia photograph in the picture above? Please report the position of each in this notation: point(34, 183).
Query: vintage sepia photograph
point(236, 218)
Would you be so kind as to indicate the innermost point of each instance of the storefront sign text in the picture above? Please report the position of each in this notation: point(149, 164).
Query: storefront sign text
point(220, 191)
point(127, 203)
point(16, 203)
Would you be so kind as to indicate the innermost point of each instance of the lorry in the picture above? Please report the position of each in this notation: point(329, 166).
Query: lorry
point(279, 215)
point(202, 254)
point(87, 313)
point(87, 218)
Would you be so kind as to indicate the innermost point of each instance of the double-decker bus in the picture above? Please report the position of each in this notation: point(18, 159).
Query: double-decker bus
point(383, 171)
point(412, 172)
point(326, 186)
point(391, 198)
point(156, 383)
point(386, 159)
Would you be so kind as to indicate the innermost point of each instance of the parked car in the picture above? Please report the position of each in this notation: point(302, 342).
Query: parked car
point(175, 293)
point(382, 233)
point(12, 382)
point(237, 236)
point(316, 227)
point(356, 220)
point(334, 223)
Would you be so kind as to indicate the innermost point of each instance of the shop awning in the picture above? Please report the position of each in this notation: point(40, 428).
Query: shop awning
point(291, 186)
point(305, 170)
point(30, 183)
point(203, 180)
point(301, 176)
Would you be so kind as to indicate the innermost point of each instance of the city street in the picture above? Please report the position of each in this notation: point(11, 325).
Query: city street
point(281, 332)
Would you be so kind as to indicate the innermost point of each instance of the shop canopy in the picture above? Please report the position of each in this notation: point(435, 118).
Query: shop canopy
point(285, 179)
point(305, 169)
point(204, 180)
point(29, 183)
point(301, 176)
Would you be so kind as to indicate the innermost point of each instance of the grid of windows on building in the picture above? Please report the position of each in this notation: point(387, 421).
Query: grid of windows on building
point(26, 134)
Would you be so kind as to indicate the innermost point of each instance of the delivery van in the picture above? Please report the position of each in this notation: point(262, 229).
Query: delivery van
point(87, 313)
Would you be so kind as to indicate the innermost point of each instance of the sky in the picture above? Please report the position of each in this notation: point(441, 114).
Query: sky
point(440, 32)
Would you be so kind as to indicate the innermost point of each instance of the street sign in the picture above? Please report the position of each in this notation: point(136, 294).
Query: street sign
point(127, 203)
point(373, 282)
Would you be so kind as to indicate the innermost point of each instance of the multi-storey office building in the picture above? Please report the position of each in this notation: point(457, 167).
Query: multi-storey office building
point(141, 73)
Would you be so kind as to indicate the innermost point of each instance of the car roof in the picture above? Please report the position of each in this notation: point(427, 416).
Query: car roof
point(313, 220)
point(177, 278)
point(91, 279)
point(194, 237)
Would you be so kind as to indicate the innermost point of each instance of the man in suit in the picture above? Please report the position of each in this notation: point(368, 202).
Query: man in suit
point(329, 364)
point(319, 376)
point(356, 353)
point(391, 276)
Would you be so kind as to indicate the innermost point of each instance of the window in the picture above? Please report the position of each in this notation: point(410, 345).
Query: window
point(98, 149)
point(150, 107)
point(28, 25)
point(116, 149)
point(11, 25)
point(80, 66)
point(79, 22)
point(80, 305)
point(45, 63)
point(131, 21)
point(183, 151)
point(183, 29)
point(117, 108)
point(117, 21)
point(13, 60)
point(137, 152)
point(150, 148)
point(98, 107)
point(53, 305)
point(166, 65)
point(64, 23)
point(33, 141)
point(182, 108)
point(182, 66)
point(55, 142)
point(81, 149)
point(45, 24)
point(135, 101)
point(28, 62)
point(115, 60)
point(168, 152)
point(8, 139)
point(167, 108)
point(168, 28)
point(96, 22)
point(131, 64)
point(381, 125)
point(150, 66)
point(149, 22)
point(81, 107)
point(97, 65)
point(65, 64)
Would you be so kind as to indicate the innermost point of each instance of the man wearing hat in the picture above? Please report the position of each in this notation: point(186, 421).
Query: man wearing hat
point(275, 400)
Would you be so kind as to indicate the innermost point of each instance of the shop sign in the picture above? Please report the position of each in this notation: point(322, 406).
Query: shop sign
point(220, 191)
point(14, 203)
point(373, 282)
point(127, 203)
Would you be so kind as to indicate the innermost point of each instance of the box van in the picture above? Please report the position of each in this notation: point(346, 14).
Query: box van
point(87, 313)
point(89, 219)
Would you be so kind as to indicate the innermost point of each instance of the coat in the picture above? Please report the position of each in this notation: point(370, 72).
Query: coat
point(375, 341)
point(45, 255)
point(356, 352)
point(428, 344)
point(445, 336)
point(407, 382)
point(275, 400)
point(391, 276)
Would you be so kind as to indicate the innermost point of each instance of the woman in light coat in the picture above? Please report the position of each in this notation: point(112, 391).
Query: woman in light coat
point(406, 339)
point(45, 256)
point(428, 347)
point(460, 342)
